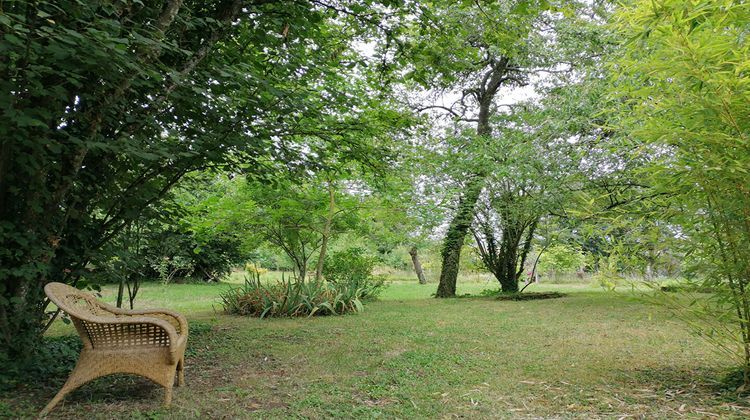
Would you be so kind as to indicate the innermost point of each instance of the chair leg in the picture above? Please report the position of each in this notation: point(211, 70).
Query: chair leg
point(181, 372)
point(168, 395)
point(78, 377)
point(55, 400)
point(171, 373)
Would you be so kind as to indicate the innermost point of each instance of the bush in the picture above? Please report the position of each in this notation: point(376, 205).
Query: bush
point(353, 269)
point(561, 258)
point(51, 359)
point(214, 258)
point(291, 298)
point(168, 255)
point(181, 256)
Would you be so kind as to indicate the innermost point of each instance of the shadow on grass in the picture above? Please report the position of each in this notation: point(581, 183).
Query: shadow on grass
point(517, 296)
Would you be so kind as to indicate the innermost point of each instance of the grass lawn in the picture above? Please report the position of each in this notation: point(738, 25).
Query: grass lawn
point(590, 354)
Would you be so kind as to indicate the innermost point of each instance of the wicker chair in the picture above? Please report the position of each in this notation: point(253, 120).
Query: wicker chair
point(149, 343)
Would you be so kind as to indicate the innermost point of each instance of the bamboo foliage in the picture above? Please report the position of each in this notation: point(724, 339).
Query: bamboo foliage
point(682, 84)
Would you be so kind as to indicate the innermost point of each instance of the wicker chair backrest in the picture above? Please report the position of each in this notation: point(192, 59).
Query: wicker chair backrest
point(91, 317)
point(74, 302)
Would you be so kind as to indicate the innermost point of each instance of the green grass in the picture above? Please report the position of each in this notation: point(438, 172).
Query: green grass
point(590, 354)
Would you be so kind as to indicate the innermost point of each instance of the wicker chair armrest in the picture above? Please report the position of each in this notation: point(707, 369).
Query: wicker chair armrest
point(180, 320)
point(138, 320)
point(160, 324)
point(170, 316)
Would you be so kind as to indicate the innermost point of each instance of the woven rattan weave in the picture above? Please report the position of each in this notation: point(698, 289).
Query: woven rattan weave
point(149, 343)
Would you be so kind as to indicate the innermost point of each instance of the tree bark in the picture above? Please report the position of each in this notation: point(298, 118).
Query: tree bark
point(417, 265)
point(326, 232)
point(454, 239)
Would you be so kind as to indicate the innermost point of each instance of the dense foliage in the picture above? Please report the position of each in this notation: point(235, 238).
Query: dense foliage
point(561, 258)
point(684, 85)
point(352, 268)
point(55, 358)
point(107, 106)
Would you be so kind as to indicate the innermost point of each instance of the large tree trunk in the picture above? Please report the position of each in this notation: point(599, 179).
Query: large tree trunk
point(326, 232)
point(506, 261)
point(459, 226)
point(454, 239)
point(508, 274)
point(507, 258)
point(417, 265)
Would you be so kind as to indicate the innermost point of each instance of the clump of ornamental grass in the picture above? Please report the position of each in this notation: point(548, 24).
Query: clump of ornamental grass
point(292, 298)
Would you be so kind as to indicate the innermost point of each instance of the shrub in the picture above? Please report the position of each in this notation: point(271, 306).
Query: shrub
point(353, 269)
point(181, 255)
point(291, 298)
point(169, 255)
point(50, 359)
point(561, 258)
point(349, 266)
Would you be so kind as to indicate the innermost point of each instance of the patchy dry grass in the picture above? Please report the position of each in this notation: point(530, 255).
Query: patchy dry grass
point(590, 354)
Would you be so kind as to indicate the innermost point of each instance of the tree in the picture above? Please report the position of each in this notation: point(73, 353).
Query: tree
point(414, 253)
point(299, 219)
point(468, 48)
point(109, 106)
point(538, 152)
point(330, 218)
point(476, 53)
point(534, 168)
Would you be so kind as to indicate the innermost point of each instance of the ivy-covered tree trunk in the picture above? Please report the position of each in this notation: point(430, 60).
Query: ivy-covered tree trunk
point(454, 239)
point(509, 281)
point(417, 265)
point(459, 226)
point(509, 270)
